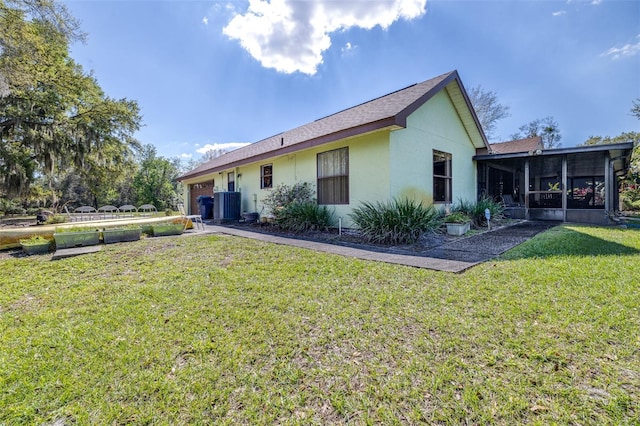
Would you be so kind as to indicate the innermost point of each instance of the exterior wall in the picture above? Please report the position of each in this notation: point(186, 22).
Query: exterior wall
point(434, 126)
point(382, 165)
point(368, 174)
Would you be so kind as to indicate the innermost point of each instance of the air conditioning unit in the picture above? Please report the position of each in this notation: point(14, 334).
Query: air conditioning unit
point(226, 206)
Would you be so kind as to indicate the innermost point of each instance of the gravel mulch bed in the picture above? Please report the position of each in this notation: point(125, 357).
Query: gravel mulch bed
point(503, 235)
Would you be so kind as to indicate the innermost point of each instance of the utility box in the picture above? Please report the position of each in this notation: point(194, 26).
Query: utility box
point(226, 206)
point(205, 206)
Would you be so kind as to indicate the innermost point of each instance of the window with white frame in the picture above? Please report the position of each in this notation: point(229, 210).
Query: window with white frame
point(333, 176)
point(266, 176)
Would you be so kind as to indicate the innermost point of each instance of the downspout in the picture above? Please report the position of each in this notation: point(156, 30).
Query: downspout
point(186, 199)
point(608, 186)
point(526, 189)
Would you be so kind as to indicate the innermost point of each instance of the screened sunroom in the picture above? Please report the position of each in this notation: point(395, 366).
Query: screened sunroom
point(579, 184)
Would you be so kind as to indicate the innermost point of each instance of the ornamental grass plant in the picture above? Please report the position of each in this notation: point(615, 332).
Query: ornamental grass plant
point(304, 216)
point(476, 210)
point(400, 221)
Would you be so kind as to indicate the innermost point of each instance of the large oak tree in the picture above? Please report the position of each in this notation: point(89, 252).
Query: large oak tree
point(53, 115)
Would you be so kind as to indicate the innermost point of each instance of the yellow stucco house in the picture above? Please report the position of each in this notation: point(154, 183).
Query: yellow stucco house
point(418, 142)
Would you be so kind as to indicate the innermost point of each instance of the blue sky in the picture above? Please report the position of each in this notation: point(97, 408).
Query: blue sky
point(217, 73)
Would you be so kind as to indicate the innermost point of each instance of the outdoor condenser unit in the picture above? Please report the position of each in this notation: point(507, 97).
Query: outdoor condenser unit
point(226, 206)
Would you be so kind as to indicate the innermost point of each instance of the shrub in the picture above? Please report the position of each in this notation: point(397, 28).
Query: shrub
point(11, 206)
point(395, 222)
point(630, 197)
point(34, 240)
point(476, 210)
point(283, 195)
point(457, 217)
point(304, 216)
point(56, 218)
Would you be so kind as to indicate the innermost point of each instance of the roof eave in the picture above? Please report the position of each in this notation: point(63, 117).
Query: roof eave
point(558, 151)
point(389, 123)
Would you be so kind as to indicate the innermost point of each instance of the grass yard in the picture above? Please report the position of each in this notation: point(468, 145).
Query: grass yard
point(215, 329)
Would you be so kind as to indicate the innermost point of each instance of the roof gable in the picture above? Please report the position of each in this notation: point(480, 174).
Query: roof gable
point(386, 112)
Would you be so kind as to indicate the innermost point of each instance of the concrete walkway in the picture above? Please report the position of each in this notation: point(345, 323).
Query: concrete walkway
point(456, 256)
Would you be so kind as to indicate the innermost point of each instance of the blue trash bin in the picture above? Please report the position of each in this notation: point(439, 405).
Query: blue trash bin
point(205, 205)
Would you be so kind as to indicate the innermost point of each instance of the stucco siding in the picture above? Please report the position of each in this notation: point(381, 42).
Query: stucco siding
point(368, 173)
point(383, 164)
point(434, 126)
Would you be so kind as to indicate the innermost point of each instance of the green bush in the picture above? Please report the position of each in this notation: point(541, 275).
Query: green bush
point(11, 206)
point(283, 195)
point(457, 217)
point(630, 197)
point(629, 204)
point(476, 210)
point(304, 216)
point(56, 218)
point(395, 222)
point(34, 240)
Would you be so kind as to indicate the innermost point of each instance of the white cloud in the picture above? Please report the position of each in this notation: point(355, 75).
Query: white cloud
point(205, 20)
point(229, 146)
point(596, 2)
point(629, 49)
point(348, 48)
point(185, 155)
point(559, 13)
point(291, 35)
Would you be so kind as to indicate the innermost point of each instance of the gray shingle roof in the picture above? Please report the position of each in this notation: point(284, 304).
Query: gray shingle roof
point(388, 111)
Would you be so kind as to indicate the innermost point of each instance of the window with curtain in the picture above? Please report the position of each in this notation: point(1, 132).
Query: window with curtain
point(266, 175)
point(333, 177)
point(441, 177)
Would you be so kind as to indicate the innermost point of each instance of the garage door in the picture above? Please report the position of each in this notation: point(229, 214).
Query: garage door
point(196, 190)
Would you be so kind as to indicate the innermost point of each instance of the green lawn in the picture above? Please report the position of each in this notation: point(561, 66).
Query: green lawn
point(215, 329)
